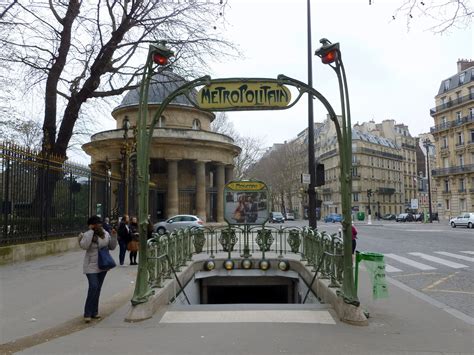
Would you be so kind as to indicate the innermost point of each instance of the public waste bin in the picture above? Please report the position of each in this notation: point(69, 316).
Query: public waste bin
point(360, 216)
point(375, 265)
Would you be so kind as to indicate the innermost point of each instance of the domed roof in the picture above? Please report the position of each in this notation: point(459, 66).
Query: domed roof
point(162, 84)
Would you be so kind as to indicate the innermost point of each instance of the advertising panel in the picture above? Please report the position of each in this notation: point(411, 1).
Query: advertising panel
point(246, 202)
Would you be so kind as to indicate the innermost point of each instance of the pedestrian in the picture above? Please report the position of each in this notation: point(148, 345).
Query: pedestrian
point(124, 237)
point(135, 238)
point(106, 225)
point(354, 238)
point(91, 241)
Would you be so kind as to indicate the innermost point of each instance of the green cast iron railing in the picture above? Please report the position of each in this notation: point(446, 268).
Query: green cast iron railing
point(170, 252)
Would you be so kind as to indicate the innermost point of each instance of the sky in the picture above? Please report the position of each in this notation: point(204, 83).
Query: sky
point(393, 72)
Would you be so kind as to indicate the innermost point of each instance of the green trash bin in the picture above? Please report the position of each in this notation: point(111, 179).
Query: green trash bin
point(375, 264)
point(360, 216)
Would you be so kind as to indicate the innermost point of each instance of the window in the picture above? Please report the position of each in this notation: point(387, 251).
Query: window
point(447, 204)
point(471, 112)
point(458, 116)
point(462, 205)
point(445, 142)
point(458, 97)
point(462, 76)
point(443, 101)
point(162, 121)
point(471, 92)
point(355, 196)
point(460, 138)
point(196, 124)
point(472, 136)
point(446, 185)
point(462, 186)
point(446, 85)
point(443, 121)
point(461, 160)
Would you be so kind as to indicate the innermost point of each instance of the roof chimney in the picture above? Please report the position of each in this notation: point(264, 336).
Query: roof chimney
point(464, 64)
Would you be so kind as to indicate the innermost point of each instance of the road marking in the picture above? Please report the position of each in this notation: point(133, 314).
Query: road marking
point(440, 281)
point(418, 274)
point(439, 260)
point(415, 264)
point(452, 291)
point(432, 301)
point(390, 268)
point(468, 252)
point(251, 316)
point(457, 256)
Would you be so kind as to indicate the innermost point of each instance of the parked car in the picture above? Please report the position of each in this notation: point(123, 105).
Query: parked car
point(276, 217)
point(333, 217)
point(464, 220)
point(176, 222)
point(405, 217)
point(290, 216)
point(389, 217)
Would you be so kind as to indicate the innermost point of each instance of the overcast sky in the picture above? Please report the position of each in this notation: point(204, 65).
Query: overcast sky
point(392, 72)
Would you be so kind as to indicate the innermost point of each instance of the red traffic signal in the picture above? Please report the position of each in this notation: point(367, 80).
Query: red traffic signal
point(160, 53)
point(329, 57)
point(160, 59)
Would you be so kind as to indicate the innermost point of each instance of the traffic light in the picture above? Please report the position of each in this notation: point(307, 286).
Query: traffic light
point(320, 178)
point(161, 53)
point(329, 52)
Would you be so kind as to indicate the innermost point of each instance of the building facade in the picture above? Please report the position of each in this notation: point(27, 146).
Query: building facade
point(453, 133)
point(189, 164)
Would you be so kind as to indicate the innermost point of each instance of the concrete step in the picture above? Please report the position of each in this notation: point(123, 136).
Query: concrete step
point(248, 313)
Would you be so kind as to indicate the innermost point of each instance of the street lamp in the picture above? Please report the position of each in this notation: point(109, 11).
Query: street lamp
point(427, 144)
point(125, 165)
point(330, 54)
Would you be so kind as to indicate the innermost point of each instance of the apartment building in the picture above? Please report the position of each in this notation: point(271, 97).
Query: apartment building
point(454, 140)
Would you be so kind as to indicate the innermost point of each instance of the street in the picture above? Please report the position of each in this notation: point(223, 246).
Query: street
point(434, 259)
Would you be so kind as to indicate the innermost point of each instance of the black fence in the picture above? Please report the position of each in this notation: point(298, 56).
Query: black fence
point(44, 197)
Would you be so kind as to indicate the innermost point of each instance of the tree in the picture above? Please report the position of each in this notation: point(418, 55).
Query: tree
point(444, 14)
point(251, 148)
point(77, 51)
point(26, 133)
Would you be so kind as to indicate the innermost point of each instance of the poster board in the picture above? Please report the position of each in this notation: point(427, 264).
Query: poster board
point(246, 202)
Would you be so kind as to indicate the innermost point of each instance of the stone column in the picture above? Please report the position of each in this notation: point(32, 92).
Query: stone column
point(172, 196)
point(201, 189)
point(220, 182)
point(229, 173)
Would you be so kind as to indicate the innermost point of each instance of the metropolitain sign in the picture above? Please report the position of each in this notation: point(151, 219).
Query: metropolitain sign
point(243, 95)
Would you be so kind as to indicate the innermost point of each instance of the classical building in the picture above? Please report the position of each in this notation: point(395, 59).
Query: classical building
point(400, 135)
point(377, 166)
point(454, 136)
point(189, 164)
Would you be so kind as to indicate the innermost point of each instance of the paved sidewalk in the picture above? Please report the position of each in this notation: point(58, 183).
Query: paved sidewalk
point(401, 324)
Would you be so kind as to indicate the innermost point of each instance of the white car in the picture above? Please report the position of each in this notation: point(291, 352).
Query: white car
point(465, 220)
point(290, 216)
point(176, 222)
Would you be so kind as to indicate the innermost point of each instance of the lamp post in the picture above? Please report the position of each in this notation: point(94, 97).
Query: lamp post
point(369, 215)
point(311, 159)
point(126, 168)
point(427, 144)
point(330, 54)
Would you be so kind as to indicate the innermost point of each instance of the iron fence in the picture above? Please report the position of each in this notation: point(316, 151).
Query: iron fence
point(170, 252)
point(43, 196)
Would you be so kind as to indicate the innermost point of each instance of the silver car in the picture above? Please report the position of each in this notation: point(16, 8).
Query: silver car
point(465, 219)
point(176, 222)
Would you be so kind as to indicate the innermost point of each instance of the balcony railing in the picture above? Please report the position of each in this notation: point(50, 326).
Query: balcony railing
point(454, 170)
point(450, 124)
point(451, 104)
point(462, 190)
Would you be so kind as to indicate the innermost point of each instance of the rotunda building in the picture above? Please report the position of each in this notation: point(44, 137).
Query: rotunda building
point(189, 164)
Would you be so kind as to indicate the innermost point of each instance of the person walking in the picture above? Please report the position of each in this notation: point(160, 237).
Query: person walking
point(91, 241)
point(106, 225)
point(135, 238)
point(124, 237)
